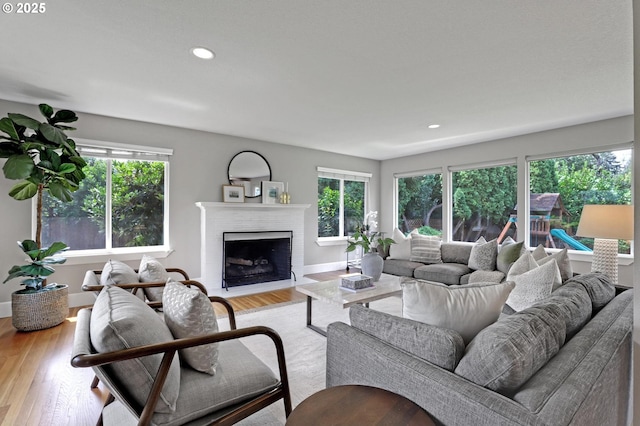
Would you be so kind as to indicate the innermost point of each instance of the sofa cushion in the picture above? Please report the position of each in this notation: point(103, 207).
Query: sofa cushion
point(575, 303)
point(151, 271)
point(563, 261)
point(599, 287)
point(189, 313)
point(531, 285)
point(507, 255)
point(539, 252)
point(455, 252)
point(402, 248)
point(117, 272)
point(485, 277)
point(447, 273)
point(439, 346)
point(507, 353)
point(425, 249)
point(483, 255)
point(120, 320)
point(403, 268)
point(466, 309)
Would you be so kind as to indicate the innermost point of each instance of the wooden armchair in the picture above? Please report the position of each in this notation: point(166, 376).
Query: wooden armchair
point(241, 386)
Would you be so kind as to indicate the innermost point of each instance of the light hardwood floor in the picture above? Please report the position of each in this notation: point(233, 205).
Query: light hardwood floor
point(38, 386)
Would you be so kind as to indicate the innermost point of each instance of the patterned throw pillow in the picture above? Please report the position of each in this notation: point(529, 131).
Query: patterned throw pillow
point(189, 313)
point(484, 255)
point(425, 249)
point(563, 261)
point(151, 271)
point(533, 282)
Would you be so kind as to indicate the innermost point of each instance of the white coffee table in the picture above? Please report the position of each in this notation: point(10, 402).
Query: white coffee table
point(330, 292)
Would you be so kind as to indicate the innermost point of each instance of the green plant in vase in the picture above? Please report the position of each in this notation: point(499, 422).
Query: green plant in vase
point(41, 158)
point(373, 243)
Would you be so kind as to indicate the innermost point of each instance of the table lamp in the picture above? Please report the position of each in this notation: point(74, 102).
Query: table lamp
point(607, 224)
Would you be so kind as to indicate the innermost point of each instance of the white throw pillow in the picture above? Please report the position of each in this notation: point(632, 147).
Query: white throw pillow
point(539, 252)
point(533, 282)
point(466, 309)
point(563, 261)
point(189, 313)
point(151, 271)
point(425, 249)
point(402, 248)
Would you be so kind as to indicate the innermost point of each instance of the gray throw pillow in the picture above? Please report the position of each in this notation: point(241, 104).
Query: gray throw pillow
point(563, 261)
point(151, 271)
point(483, 255)
point(119, 320)
point(599, 287)
point(117, 272)
point(188, 313)
point(425, 249)
point(503, 356)
point(575, 303)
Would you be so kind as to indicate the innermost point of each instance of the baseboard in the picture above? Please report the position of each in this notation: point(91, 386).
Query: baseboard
point(324, 267)
point(75, 299)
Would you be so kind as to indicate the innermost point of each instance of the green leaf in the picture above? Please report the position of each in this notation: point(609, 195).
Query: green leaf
point(66, 168)
point(18, 167)
point(23, 190)
point(64, 116)
point(53, 134)
point(23, 120)
point(28, 245)
point(46, 110)
point(55, 248)
point(60, 192)
point(6, 126)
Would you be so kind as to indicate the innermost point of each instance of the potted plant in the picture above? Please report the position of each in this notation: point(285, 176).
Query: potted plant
point(373, 244)
point(42, 158)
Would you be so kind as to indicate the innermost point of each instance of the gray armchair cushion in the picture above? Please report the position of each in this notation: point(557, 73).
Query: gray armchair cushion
point(506, 354)
point(439, 346)
point(120, 321)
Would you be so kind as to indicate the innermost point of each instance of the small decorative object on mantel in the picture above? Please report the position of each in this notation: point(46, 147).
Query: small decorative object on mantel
point(271, 191)
point(356, 282)
point(285, 198)
point(233, 193)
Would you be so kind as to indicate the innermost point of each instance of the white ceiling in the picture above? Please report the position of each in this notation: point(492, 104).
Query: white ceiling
point(358, 77)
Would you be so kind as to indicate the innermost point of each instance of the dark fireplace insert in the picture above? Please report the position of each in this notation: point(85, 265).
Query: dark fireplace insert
point(256, 257)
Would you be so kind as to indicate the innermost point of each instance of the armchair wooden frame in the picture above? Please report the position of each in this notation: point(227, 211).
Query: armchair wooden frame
point(87, 357)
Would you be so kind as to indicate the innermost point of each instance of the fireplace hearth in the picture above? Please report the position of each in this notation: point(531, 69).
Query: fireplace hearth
point(256, 257)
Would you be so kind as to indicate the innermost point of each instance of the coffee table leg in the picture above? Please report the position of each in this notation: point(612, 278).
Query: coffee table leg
point(311, 326)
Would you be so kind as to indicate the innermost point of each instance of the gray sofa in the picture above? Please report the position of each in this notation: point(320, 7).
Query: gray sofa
point(564, 361)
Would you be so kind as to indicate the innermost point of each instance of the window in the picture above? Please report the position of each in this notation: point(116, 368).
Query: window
point(342, 199)
point(483, 201)
point(419, 204)
point(559, 188)
point(120, 204)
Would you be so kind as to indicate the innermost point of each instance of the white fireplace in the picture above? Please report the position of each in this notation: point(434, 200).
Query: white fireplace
point(218, 218)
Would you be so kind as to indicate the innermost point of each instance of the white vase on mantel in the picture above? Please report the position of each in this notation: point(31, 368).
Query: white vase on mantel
point(371, 265)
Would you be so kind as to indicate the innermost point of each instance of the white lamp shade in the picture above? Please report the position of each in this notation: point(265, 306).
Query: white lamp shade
point(606, 221)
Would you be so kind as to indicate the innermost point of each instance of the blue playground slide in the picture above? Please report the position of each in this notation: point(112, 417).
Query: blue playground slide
point(566, 238)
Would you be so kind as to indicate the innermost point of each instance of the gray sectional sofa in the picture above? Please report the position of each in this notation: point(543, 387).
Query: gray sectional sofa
point(564, 361)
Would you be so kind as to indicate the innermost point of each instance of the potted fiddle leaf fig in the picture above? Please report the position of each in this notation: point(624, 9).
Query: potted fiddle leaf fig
point(41, 158)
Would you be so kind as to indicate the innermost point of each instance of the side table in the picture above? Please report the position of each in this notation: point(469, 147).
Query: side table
point(358, 405)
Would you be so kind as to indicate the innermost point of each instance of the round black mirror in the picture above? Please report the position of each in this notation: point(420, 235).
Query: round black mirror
point(249, 169)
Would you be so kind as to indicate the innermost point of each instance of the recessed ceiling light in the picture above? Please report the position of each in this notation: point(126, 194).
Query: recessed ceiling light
point(202, 53)
point(434, 126)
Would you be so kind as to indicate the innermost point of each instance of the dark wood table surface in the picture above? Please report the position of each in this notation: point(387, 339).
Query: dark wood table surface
point(358, 405)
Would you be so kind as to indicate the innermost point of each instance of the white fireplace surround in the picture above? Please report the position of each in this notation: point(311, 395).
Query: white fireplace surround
point(216, 218)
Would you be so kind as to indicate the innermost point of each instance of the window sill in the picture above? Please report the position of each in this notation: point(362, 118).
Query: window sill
point(100, 256)
point(331, 241)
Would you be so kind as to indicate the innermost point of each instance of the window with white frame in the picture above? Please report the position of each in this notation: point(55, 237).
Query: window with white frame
point(484, 198)
point(122, 202)
point(560, 186)
point(342, 197)
point(419, 203)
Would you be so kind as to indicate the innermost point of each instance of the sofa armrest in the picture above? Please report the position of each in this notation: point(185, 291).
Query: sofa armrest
point(354, 357)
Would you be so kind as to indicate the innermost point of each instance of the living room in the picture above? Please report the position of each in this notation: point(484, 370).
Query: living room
point(199, 161)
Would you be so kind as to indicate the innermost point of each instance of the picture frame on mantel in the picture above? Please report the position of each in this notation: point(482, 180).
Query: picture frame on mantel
point(233, 193)
point(271, 191)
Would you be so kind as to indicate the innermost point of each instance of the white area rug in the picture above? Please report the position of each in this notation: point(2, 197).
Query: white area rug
point(305, 351)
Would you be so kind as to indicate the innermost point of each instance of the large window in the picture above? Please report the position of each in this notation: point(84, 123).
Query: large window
point(342, 199)
point(483, 201)
point(120, 204)
point(420, 203)
point(561, 186)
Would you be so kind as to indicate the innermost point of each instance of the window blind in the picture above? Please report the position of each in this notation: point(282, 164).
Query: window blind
point(114, 150)
point(344, 174)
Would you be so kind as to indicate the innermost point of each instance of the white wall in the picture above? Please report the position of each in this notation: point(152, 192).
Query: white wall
point(599, 134)
point(198, 169)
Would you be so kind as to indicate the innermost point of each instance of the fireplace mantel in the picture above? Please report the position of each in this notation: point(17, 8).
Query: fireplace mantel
point(217, 217)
